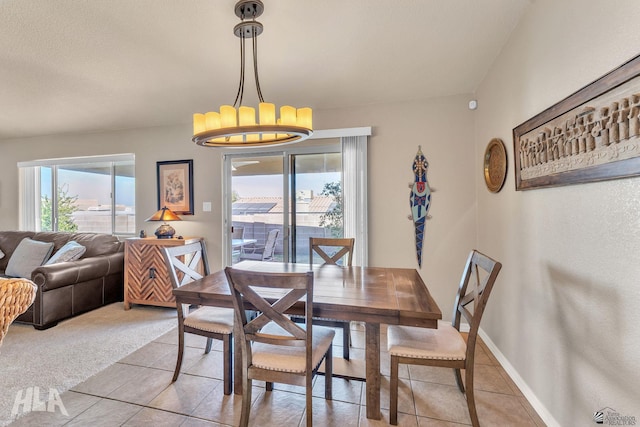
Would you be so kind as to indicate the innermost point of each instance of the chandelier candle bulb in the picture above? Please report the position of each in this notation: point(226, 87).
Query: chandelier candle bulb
point(247, 116)
point(287, 115)
point(212, 120)
point(198, 123)
point(304, 118)
point(267, 112)
point(228, 117)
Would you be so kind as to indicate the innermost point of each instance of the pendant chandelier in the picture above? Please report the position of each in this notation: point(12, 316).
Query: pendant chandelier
point(236, 125)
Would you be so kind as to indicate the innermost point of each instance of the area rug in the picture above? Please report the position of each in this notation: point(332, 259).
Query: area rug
point(74, 350)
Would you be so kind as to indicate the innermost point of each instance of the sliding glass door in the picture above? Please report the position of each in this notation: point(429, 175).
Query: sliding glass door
point(316, 209)
point(292, 194)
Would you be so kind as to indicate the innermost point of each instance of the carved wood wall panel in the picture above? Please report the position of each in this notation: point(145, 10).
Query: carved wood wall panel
point(592, 135)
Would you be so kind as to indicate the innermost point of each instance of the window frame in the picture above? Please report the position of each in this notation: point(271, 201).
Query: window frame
point(31, 191)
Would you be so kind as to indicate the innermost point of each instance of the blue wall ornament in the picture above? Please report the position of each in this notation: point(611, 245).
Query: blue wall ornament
point(420, 199)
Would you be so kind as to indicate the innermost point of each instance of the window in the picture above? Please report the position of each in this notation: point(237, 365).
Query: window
point(81, 194)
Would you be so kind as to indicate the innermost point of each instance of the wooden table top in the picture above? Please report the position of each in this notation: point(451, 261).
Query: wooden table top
point(367, 294)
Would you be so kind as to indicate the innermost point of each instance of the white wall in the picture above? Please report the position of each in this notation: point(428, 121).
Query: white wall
point(565, 309)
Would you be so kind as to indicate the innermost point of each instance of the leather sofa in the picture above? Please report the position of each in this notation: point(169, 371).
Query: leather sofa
point(69, 288)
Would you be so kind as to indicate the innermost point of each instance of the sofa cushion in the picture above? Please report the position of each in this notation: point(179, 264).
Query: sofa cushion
point(71, 251)
point(28, 255)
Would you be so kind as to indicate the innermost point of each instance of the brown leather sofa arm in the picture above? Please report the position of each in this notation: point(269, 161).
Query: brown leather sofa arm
point(68, 273)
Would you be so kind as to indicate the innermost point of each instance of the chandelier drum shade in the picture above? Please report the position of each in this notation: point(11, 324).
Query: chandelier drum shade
point(237, 125)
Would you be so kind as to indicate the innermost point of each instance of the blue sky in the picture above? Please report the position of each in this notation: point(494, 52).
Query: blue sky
point(271, 185)
point(91, 186)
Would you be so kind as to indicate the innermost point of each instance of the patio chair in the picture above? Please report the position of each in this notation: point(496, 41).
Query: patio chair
point(237, 233)
point(275, 349)
point(446, 346)
point(183, 263)
point(262, 253)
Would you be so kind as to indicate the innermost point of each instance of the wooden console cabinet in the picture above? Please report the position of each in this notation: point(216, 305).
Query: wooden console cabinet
point(146, 278)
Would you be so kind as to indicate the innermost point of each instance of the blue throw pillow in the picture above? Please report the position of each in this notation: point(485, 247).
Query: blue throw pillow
point(28, 255)
point(71, 251)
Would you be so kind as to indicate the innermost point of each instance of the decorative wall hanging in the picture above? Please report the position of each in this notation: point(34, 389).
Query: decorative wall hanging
point(420, 199)
point(175, 186)
point(495, 165)
point(592, 135)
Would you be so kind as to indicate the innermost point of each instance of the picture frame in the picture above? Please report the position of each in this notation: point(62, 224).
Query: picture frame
point(592, 135)
point(175, 186)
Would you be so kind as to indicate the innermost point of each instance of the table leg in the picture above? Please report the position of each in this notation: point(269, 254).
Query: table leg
point(237, 361)
point(372, 349)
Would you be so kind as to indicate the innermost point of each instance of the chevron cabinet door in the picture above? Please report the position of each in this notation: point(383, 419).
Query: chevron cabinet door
point(146, 279)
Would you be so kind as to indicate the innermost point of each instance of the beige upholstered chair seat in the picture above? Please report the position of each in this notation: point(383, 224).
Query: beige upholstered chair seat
point(444, 343)
point(211, 319)
point(290, 359)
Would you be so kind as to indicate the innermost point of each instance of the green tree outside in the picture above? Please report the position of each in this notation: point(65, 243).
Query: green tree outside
point(66, 207)
point(333, 219)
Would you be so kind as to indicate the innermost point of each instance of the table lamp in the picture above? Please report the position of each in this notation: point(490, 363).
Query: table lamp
point(165, 231)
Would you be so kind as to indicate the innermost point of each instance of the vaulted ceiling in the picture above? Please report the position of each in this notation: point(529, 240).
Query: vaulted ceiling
point(70, 66)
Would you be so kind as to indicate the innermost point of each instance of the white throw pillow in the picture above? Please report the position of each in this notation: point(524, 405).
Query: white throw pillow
point(71, 251)
point(28, 255)
point(1, 254)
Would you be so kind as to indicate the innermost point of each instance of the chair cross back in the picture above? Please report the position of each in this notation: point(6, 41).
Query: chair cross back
point(299, 285)
point(475, 287)
point(316, 245)
point(185, 272)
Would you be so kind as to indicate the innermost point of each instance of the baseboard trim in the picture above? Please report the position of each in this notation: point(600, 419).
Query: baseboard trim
point(537, 405)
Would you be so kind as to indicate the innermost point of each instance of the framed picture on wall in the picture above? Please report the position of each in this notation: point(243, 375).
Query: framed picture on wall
point(175, 186)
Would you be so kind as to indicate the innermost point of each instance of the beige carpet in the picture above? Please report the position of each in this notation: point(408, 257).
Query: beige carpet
point(75, 349)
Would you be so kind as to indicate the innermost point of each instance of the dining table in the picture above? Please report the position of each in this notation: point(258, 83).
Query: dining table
point(371, 295)
point(240, 243)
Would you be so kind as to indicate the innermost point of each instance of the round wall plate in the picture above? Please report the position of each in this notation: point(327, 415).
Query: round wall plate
point(495, 165)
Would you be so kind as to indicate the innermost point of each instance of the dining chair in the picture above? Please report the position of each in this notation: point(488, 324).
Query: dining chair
point(16, 296)
point(262, 253)
point(275, 348)
point(446, 345)
point(185, 264)
point(332, 251)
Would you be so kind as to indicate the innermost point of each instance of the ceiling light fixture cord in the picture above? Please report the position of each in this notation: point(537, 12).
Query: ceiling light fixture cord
point(240, 93)
point(255, 67)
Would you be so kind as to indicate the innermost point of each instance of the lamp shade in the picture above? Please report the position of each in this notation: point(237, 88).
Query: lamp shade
point(164, 214)
point(165, 231)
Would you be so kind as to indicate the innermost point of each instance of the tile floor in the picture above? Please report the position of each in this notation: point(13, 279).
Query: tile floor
point(137, 391)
